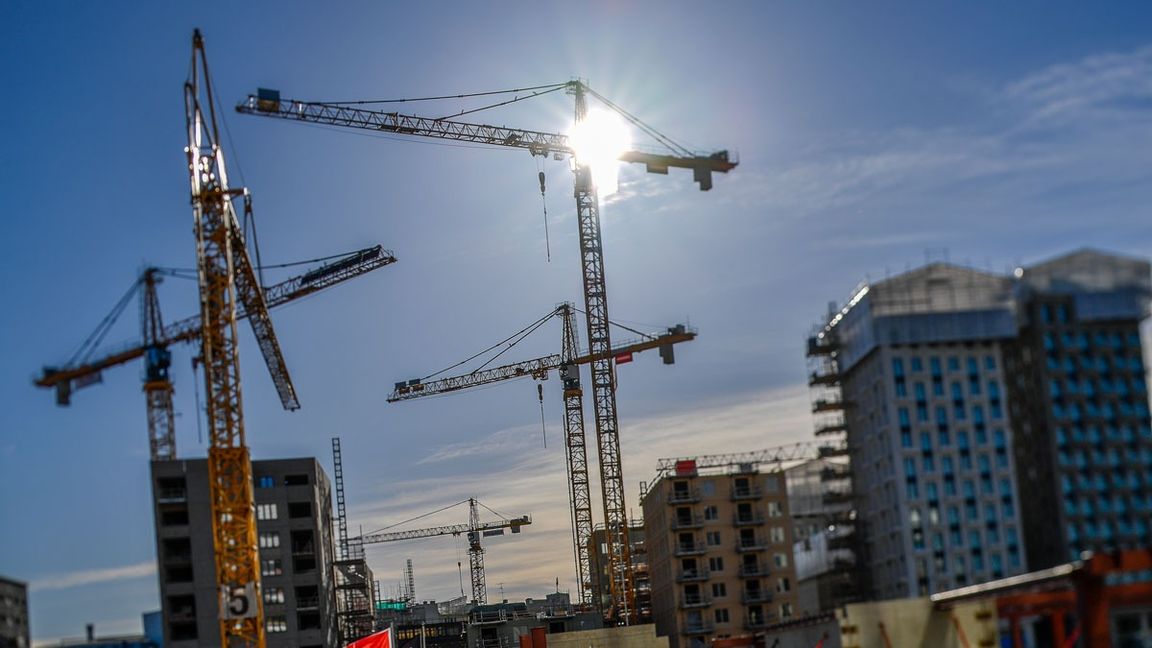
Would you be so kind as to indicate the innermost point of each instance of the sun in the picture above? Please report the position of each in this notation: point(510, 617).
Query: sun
point(599, 141)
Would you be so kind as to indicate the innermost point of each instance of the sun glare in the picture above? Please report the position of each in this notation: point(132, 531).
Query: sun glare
point(599, 141)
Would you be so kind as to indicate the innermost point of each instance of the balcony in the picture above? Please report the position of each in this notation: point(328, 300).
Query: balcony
point(690, 496)
point(828, 405)
point(308, 603)
point(826, 378)
point(746, 493)
point(692, 575)
point(833, 450)
point(748, 519)
point(695, 601)
point(752, 571)
point(689, 549)
point(752, 544)
point(834, 474)
point(755, 622)
point(834, 497)
point(699, 628)
point(831, 428)
point(757, 596)
point(693, 522)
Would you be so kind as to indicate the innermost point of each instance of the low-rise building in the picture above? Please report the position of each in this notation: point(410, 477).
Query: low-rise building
point(719, 552)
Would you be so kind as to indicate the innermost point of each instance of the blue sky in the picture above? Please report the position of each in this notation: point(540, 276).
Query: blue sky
point(871, 136)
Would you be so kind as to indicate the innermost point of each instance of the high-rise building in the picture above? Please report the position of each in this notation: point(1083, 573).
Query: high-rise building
point(963, 393)
point(14, 614)
point(1080, 401)
point(719, 552)
point(294, 534)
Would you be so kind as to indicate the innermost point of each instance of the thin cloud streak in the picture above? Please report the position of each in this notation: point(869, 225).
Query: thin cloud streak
point(93, 576)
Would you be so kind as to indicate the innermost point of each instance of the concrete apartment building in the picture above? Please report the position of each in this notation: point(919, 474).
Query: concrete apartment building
point(719, 552)
point(294, 529)
point(14, 614)
point(959, 400)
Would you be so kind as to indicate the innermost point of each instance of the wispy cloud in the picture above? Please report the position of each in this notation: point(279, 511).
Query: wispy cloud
point(93, 576)
point(1115, 85)
point(494, 444)
point(1076, 127)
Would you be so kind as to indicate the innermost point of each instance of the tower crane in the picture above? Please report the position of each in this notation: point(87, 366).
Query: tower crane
point(567, 363)
point(268, 103)
point(86, 367)
point(473, 531)
point(226, 276)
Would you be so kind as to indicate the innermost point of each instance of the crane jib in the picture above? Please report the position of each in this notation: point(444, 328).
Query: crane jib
point(269, 104)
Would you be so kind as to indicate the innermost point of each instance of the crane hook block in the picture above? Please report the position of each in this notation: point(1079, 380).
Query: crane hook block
point(541, 174)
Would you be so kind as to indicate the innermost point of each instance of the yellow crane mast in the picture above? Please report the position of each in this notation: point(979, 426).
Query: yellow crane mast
point(567, 364)
point(226, 276)
point(268, 103)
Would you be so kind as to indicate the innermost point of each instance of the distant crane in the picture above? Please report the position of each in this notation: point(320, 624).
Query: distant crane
point(84, 369)
point(473, 531)
point(567, 363)
point(268, 103)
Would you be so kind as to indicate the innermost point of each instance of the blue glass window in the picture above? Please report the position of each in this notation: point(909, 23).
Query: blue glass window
point(925, 441)
point(962, 439)
point(897, 367)
point(909, 467)
point(934, 365)
point(917, 364)
point(990, 363)
point(946, 465)
point(905, 438)
point(953, 363)
point(920, 395)
point(945, 438)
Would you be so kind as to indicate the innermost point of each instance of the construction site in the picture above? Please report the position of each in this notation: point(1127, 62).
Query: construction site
point(447, 441)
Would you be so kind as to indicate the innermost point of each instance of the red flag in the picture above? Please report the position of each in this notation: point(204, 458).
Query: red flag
point(624, 357)
point(381, 639)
